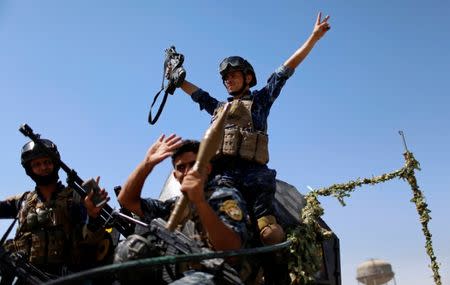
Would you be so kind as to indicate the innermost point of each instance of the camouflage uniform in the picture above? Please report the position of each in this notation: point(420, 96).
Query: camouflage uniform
point(229, 206)
point(254, 179)
point(226, 202)
point(54, 234)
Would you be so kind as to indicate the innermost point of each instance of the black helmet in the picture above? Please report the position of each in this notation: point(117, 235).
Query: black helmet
point(237, 63)
point(32, 151)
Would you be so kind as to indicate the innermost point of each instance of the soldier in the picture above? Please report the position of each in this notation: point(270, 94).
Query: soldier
point(242, 162)
point(219, 216)
point(56, 233)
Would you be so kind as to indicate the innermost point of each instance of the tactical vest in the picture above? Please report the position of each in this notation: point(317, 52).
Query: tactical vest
point(45, 229)
point(240, 138)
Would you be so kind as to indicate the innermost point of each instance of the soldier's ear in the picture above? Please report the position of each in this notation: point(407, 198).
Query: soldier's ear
point(175, 175)
point(208, 168)
point(248, 78)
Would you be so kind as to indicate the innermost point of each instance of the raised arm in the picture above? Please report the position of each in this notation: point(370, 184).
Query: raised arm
point(130, 195)
point(320, 28)
point(188, 87)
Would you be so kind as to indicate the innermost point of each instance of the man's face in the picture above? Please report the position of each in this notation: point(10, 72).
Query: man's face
point(182, 164)
point(233, 81)
point(42, 166)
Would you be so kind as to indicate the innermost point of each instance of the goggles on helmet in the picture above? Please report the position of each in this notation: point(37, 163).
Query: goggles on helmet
point(235, 62)
point(31, 151)
point(31, 145)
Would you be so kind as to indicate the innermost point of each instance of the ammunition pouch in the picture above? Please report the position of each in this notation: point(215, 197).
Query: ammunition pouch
point(262, 148)
point(240, 138)
point(55, 251)
point(23, 244)
point(32, 221)
point(249, 145)
point(42, 246)
point(38, 252)
point(231, 141)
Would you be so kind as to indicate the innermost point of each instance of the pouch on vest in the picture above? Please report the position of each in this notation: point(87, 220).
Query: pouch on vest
point(56, 246)
point(231, 141)
point(31, 221)
point(44, 217)
point(248, 145)
point(262, 148)
point(38, 253)
point(23, 244)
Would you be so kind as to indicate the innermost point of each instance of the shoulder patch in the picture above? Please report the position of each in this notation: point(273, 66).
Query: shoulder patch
point(231, 208)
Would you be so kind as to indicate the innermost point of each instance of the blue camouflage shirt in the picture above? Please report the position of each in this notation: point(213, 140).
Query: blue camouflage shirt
point(262, 99)
point(226, 202)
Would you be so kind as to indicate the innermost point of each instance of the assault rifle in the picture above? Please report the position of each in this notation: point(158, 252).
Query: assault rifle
point(108, 216)
point(182, 244)
point(14, 265)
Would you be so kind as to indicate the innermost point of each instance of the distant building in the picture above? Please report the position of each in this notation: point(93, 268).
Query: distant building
point(375, 272)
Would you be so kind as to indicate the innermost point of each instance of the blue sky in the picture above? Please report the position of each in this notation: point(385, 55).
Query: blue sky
point(84, 73)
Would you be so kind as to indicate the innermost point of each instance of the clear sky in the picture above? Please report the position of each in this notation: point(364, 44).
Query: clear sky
point(83, 73)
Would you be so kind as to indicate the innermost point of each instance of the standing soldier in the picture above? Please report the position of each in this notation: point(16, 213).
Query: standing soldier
point(242, 162)
point(57, 233)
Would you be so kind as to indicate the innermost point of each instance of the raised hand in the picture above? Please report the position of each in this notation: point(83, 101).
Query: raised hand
point(92, 210)
point(162, 148)
point(321, 26)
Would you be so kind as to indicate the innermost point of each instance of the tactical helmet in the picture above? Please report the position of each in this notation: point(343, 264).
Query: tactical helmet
point(32, 151)
point(232, 63)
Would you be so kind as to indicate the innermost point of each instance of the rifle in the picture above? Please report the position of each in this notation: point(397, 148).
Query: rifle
point(185, 245)
point(108, 215)
point(14, 265)
point(175, 74)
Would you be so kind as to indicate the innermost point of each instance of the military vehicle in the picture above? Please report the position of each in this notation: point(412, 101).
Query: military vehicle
point(289, 203)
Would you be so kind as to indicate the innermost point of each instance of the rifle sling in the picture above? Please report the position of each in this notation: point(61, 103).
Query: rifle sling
point(161, 107)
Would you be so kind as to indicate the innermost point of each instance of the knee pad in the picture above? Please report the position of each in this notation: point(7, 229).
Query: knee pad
point(270, 231)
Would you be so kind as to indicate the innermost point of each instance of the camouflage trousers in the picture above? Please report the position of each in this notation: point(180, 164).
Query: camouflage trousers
point(195, 277)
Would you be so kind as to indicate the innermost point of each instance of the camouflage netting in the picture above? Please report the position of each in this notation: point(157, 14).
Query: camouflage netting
point(306, 239)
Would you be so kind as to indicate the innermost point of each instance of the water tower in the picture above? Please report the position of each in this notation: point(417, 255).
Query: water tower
point(375, 272)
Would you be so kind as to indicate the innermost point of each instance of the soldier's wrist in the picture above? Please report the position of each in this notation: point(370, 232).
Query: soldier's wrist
point(200, 203)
